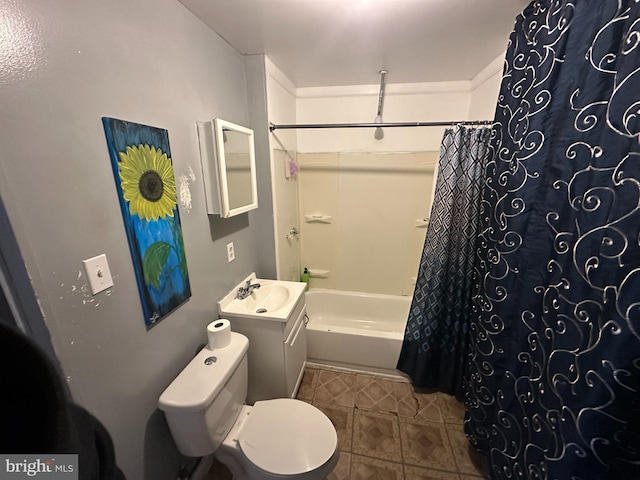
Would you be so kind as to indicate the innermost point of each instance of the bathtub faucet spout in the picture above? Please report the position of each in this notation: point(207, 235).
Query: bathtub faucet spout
point(245, 291)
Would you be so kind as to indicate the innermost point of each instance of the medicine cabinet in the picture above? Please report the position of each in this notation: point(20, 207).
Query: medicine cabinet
point(227, 154)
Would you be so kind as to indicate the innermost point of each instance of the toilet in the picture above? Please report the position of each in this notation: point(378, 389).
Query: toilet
point(273, 439)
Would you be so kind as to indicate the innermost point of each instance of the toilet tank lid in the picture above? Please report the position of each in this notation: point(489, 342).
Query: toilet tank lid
point(200, 381)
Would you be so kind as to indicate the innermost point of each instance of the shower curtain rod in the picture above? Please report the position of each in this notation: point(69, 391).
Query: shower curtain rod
point(273, 127)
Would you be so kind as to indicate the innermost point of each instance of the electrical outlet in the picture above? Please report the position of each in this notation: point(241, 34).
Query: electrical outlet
point(98, 273)
point(231, 253)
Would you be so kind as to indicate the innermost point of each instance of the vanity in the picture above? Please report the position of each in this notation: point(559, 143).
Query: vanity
point(273, 318)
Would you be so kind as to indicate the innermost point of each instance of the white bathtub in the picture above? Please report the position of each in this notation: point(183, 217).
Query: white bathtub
point(360, 331)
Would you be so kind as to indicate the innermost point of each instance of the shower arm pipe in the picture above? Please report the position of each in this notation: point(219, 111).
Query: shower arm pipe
point(299, 126)
point(381, 95)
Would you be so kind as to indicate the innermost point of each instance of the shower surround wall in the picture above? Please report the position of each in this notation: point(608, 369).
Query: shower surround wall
point(286, 104)
point(377, 191)
point(376, 205)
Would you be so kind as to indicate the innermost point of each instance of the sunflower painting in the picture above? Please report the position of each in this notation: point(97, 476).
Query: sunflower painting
point(143, 172)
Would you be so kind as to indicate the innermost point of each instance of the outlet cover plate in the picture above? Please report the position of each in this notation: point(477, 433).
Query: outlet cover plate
point(231, 253)
point(98, 273)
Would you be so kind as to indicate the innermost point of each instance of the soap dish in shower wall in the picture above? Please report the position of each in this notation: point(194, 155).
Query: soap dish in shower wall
point(317, 218)
point(422, 222)
point(313, 273)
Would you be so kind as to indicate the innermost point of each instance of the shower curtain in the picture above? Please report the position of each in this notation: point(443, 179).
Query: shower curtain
point(553, 385)
point(436, 336)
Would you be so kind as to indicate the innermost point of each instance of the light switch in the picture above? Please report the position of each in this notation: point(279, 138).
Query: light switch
point(98, 273)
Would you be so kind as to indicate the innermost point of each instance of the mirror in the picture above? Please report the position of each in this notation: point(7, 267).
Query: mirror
point(230, 170)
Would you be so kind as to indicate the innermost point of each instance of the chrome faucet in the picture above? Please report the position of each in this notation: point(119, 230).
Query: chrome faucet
point(245, 291)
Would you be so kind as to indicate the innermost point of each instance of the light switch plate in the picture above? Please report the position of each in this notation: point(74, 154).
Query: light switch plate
point(98, 273)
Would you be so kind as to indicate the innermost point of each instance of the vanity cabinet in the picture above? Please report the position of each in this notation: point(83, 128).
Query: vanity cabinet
point(277, 352)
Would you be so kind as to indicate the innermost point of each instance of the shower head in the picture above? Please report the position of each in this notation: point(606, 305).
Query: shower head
point(379, 133)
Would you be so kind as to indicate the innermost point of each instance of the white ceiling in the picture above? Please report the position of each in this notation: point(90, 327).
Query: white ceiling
point(347, 42)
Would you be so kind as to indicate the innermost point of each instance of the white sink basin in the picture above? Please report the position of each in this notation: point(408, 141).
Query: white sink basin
point(274, 300)
point(268, 297)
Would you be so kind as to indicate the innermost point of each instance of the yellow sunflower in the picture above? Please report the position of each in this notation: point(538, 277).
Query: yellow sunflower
point(147, 181)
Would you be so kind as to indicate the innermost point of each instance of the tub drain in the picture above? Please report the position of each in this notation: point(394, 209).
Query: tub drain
point(261, 310)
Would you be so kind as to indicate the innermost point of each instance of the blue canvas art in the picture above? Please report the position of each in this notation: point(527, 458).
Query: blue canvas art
point(143, 173)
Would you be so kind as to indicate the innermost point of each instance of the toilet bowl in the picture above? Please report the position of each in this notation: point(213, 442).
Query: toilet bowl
point(273, 439)
point(279, 439)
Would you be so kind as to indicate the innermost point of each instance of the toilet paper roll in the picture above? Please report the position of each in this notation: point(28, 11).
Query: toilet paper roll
point(219, 334)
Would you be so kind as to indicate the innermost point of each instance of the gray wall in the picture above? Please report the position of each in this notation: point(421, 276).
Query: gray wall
point(64, 65)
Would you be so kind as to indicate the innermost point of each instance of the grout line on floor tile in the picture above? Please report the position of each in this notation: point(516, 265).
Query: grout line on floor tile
point(404, 473)
point(455, 461)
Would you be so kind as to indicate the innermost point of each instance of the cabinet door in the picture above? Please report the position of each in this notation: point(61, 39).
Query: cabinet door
point(295, 353)
point(266, 358)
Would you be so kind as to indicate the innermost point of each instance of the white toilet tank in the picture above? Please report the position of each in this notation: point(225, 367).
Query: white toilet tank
point(203, 402)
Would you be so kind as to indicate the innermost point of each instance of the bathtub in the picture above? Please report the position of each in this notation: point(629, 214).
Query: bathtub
point(354, 330)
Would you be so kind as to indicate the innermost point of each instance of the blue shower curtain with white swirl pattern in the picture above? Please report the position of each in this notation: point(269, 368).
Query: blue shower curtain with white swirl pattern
point(553, 387)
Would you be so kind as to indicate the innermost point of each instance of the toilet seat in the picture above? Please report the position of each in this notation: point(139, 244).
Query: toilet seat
point(287, 437)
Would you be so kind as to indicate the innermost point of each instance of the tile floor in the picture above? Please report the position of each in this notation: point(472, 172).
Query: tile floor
point(386, 431)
